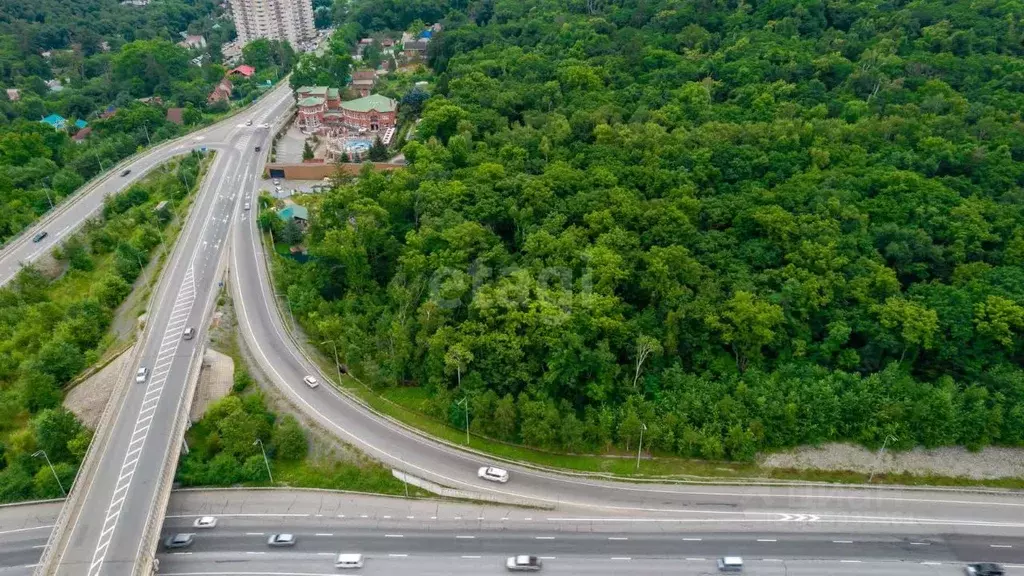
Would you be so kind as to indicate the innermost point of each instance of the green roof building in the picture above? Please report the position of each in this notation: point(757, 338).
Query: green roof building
point(372, 102)
point(293, 212)
point(311, 101)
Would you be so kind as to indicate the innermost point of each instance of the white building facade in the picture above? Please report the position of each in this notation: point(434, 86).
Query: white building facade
point(290, 20)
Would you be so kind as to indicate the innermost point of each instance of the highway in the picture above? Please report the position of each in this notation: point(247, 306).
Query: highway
point(68, 216)
point(105, 532)
point(896, 511)
point(399, 536)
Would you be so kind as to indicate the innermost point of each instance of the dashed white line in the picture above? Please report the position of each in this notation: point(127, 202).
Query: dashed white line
point(621, 558)
point(692, 539)
point(543, 537)
point(471, 557)
point(920, 544)
point(254, 533)
point(767, 540)
point(842, 541)
point(695, 559)
point(397, 555)
point(394, 536)
point(1000, 546)
point(617, 538)
point(849, 561)
point(324, 534)
point(932, 563)
point(465, 537)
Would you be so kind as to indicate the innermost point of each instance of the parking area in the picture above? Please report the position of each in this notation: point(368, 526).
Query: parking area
point(290, 188)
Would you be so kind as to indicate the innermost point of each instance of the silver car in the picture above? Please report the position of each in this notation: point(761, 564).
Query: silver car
point(281, 540)
point(523, 564)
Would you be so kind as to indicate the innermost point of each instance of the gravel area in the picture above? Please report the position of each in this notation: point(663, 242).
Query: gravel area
point(290, 146)
point(987, 464)
point(215, 380)
point(88, 399)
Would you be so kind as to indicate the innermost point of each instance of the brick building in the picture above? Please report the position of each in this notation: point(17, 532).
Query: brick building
point(321, 111)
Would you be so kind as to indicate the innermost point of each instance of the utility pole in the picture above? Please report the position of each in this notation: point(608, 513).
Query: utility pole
point(880, 452)
point(52, 471)
point(465, 404)
point(265, 461)
point(337, 365)
point(643, 428)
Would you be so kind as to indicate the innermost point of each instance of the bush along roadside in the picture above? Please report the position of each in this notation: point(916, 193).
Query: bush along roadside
point(55, 321)
point(240, 441)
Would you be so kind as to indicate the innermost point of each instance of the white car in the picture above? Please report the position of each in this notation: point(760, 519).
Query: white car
point(311, 382)
point(349, 561)
point(279, 540)
point(205, 522)
point(246, 206)
point(248, 122)
point(493, 474)
point(523, 564)
point(142, 375)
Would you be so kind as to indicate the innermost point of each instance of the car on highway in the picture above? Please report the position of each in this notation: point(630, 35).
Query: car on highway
point(141, 375)
point(311, 382)
point(493, 474)
point(248, 122)
point(189, 333)
point(257, 148)
point(348, 561)
point(246, 206)
point(730, 564)
point(179, 541)
point(523, 564)
point(984, 569)
point(38, 237)
point(205, 522)
point(281, 540)
point(126, 172)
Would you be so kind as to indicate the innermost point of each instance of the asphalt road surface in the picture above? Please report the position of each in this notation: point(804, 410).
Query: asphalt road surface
point(437, 537)
point(105, 533)
point(69, 216)
point(825, 507)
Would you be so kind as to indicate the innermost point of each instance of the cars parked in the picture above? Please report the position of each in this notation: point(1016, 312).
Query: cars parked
point(984, 569)
point(280, 540)
point(39, 236)
point(179, 541)
point(523, 564)
point(493, 474)
point(205, 522)
point(311, 382)
point(142, 375)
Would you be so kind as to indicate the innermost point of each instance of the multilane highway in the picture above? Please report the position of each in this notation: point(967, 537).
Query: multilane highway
point(105, 532)
point(399, 536)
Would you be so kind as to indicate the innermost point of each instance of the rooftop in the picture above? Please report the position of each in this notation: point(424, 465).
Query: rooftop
point(293, 211)
point(55, 120)
point(313, 90)
point(371, 102)
point(311, 101)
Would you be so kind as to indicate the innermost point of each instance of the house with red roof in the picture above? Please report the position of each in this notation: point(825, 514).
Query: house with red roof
point(222, 92)
point(243, 70)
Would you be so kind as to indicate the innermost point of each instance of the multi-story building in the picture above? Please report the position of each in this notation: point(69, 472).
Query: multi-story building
point(321, 111)
point(290, 20)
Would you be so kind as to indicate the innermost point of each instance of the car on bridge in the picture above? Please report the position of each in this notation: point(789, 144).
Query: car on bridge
point(493, 474)
point(523, 564)
point(179, 541)
point(280, 540)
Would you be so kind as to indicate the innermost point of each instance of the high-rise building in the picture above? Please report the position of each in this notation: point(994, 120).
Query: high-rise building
point(290, 20)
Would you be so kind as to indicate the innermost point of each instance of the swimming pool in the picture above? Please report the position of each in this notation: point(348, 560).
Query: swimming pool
point(358, 144)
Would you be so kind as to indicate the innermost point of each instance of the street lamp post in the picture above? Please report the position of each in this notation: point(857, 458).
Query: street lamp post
point(337, 365)
point(640, 447)
point(465, 404)
point(54, 472)
point(880, 453)
point(265, 461)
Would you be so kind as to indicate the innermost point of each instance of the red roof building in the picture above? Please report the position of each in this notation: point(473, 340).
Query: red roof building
point(82, 134)
point(243, 70)
point(222, 92)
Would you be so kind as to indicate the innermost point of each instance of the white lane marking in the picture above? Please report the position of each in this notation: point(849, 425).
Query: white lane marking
point(842, 541)
point(471, 557)
point(932, 563)
point(324, 534)
point(546, 557)
point(255, 553)
point(16, 530)
point(920, 544)
point(386, 517)
point(37, 546)
point(849, 561)
point(465, 537)
point(254, 533)
point(617, 538)
point(767, 540)
point(397, 555)
point(410, 517)
point(543, 537)
point(621, 558)
point(695, 559)
point(528, 519)
point(692, 539)
point(394, 536)
point(1000, 546)
point(771, 560)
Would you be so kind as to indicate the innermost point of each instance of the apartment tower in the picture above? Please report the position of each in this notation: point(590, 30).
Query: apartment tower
point(290, 20)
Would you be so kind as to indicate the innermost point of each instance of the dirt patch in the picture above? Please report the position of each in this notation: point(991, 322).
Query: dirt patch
point(88, 399)
point(215, 381)
point(988, 464)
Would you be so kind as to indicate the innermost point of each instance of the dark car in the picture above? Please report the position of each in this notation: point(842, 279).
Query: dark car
point(126, 171)
point(984, 569)
point(38, 237)
point(179, 541)
point(257, 148)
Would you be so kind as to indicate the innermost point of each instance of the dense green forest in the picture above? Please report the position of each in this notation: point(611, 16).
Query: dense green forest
point(745, 225)
point(52, 329)
point(105, 56)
